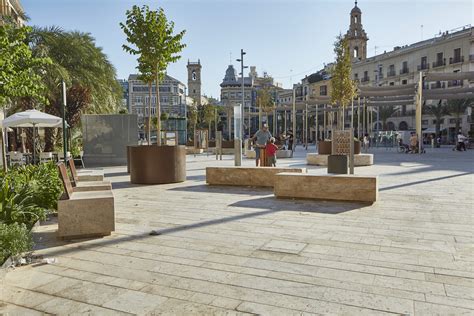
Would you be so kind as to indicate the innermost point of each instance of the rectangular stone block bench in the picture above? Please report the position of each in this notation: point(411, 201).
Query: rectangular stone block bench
point(83, 186)
point(84, 214)
point(327, 187)
point(246, 176)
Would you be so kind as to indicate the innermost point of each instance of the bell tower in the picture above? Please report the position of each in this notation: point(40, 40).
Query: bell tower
point(194, 81)
point(357, 36)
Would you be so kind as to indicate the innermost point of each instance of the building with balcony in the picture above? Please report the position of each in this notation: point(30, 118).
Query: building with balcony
point(172, 102)
point(12, 11)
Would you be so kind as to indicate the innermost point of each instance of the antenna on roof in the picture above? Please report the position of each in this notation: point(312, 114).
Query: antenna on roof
point(421, 31)
point(230, 58)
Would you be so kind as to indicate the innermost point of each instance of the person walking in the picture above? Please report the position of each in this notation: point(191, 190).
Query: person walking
point(461, 142)
point(271, 150)
point(262, 136)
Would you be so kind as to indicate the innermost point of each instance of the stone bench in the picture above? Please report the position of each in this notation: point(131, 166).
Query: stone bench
point(250, 154)
point(326, 187)
point(84, 214)
point(322, 160)
point(84, 186)
point(246, 176)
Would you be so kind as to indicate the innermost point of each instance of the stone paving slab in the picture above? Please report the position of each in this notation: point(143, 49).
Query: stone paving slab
point(240, 251)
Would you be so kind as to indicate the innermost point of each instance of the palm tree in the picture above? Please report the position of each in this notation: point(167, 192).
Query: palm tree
point(457, 107)
point(438, 111)
point(386, 112)
point(90, 77)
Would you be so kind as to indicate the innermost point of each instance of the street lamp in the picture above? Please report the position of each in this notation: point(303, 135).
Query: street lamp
point(239, 116)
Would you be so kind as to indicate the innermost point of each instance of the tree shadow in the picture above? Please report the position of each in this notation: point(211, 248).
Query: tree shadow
point(116, 174)
point(397, 186)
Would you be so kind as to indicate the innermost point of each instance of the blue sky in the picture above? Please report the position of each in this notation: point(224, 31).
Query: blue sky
point(286, 38)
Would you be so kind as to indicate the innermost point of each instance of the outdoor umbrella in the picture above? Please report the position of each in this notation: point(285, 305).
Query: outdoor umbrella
point(32, 118)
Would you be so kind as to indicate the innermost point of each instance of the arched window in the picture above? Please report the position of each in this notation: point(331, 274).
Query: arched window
point(390, 126)
point(356, 52)
point(403, 126)
point(355, 19)
point(355, 33)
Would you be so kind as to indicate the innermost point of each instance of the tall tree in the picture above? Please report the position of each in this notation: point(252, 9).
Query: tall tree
point(18, 69)
point(152, 38)
point(343, 87)
point(265, 103)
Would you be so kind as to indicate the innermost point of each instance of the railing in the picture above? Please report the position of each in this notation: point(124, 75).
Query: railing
point(365, 79)
point(438, 85)
point(455, 83)
point(423, 67)
point(404, 71)
point(391, 73)
point(455, 60)
point(439, 63)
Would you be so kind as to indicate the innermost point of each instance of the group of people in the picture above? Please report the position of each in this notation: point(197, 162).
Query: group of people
point(264, 141)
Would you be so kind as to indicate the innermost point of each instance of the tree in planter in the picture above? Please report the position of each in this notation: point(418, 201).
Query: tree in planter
point(343, 88)
point(457, 107)
point(438, 110)
point(18, 69)
point(151, 35)
point(265, 103)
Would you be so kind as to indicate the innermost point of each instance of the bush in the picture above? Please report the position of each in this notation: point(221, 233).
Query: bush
point(15, 239)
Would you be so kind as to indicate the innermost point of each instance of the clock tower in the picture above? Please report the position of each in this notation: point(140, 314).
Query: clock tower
point(357, 36)
point(194, 81)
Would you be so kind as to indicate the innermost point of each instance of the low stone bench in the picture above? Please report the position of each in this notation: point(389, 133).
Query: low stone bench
point(322, 160)
point(246, 176)
point(90, 175)
point(250, 154)
point(327, 187)
point(84, 186)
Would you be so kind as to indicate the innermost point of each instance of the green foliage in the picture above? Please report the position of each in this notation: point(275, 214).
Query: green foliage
point(18, 67)
point(15, 239)
point(152, 39)
point(343, 87)
point(123, 111)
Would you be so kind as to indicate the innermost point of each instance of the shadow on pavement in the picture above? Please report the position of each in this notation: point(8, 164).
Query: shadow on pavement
point(204, 188)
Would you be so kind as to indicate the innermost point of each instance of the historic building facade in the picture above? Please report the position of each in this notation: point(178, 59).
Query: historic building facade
point(11, 9)
point(172, 99)
point(194, 81)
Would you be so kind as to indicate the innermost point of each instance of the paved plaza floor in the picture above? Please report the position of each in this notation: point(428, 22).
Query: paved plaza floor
point(229, 250)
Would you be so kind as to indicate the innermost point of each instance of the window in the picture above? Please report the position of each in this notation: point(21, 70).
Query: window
point(138, 99)
point(424, 63)
point(355, 19)
point(457, 55)
point(153, 100)
point(452, 121)
point(323, 90)
point(147, 100)
point(356, 52)
point(439, 60)
point(404, 81)
point(404, 67)
point(424, 122)
point(356, 76)
point(391, 71)
point(440, 121)
point(392, 83)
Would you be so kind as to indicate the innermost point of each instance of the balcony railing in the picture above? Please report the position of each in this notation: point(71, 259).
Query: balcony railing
point(391, 73)
point(455, 60)
point(365, 79)
point(455, 83)
point(423, 67)
point(404, 71)
point(439, 63)
point(438, 85)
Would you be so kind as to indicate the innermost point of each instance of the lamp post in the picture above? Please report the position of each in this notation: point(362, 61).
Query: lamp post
point(242, 67)
point(64, 123)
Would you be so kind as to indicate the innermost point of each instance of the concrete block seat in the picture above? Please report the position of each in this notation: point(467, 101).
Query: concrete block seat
point(246, 176)
point(84, 214)
point(83, 186)
point(250, 154)
point(322, 160)
point(326, 187)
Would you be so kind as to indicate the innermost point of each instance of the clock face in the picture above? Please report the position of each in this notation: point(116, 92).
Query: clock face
point(193, 75)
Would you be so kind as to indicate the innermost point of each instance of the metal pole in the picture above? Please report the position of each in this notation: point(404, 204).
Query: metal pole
point(317, 126)
point(419, 103)
point(294, 119)
point(242, 53)
point(285, 122)
point(306, 126)
point(324, 122)
point(64, 123)
point(364, 122)
point(358, 120)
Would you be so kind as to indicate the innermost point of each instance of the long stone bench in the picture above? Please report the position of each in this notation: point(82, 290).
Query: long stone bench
point(250, 154)
point(322, 160)
point(246, 176)
point(326, 187)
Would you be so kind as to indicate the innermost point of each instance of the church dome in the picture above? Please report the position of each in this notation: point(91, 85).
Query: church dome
point(356, 9)
point(230, 76)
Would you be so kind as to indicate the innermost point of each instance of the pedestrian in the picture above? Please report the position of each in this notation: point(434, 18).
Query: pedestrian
point(461, 142)
point(271, 150)
point(261, 137)
point(413, 143)
point(366, 142)
point(290, 141)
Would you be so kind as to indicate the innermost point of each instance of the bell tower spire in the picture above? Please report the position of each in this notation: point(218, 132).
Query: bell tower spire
point(356, 35)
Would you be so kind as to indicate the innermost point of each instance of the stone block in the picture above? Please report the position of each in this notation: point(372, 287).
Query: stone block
point(85, 186)
point(322, 160)
point(326, 187)
point(90, 175)
point(86, 214)
point(246, 176)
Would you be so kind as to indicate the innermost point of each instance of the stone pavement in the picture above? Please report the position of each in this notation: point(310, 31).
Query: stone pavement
point(228, 251)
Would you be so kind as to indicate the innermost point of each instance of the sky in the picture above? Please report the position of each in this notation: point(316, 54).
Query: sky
point(288, 39)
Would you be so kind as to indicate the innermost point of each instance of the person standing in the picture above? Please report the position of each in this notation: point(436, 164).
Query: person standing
point(271, 150)
point(413, 143)
point(290, 141)
point(262, 136)
point(461, 142)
